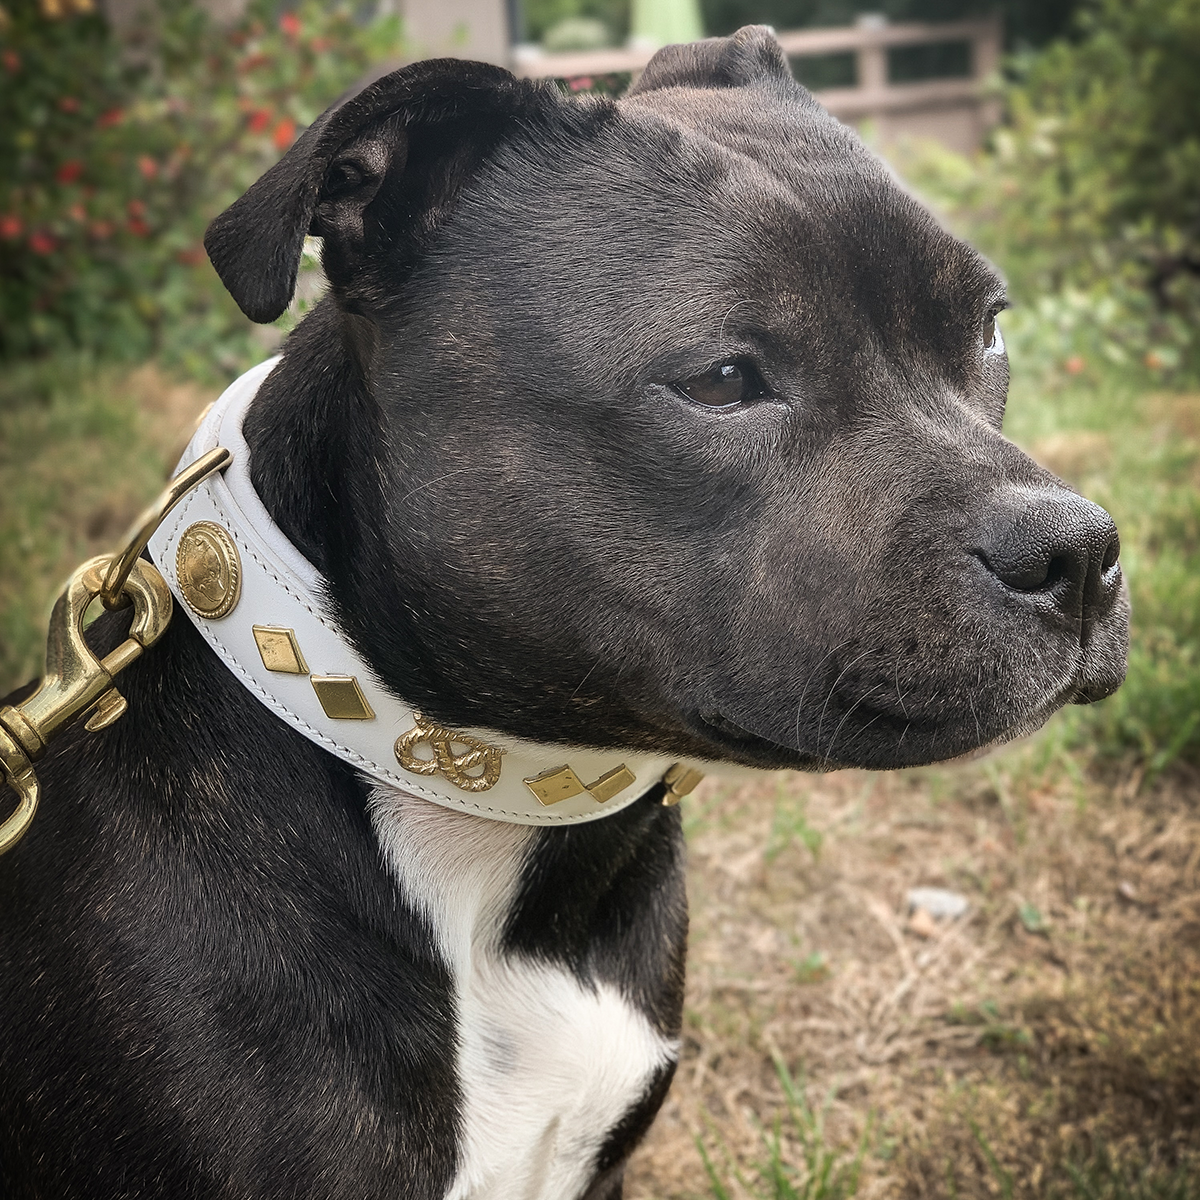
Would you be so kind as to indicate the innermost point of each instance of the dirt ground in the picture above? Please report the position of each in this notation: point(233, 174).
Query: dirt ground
point(1056, 1020)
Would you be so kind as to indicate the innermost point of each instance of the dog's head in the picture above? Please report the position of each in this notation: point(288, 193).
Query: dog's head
point(667, 423)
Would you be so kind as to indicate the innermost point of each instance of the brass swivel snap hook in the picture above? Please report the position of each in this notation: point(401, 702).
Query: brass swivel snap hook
point(77, 683)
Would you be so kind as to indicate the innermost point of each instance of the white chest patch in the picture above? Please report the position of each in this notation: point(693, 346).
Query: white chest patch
point(547, 1066)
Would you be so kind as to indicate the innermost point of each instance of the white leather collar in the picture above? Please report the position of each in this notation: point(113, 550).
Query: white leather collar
point(281, 591)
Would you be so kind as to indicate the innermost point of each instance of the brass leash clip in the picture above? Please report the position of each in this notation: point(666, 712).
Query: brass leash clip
point(77, 683)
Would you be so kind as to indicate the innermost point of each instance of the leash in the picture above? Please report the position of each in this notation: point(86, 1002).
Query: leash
point(77, 684)
point(261, 606)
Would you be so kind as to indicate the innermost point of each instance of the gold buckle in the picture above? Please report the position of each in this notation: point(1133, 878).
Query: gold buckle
point(77, 683)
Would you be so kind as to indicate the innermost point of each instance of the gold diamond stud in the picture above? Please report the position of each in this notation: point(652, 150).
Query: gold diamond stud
point(561, 783)
point(612, 782)
point(279, 649)
point(553, 787)
point(342, 698)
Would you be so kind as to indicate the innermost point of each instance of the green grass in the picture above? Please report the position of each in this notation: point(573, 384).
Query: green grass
point(1135, 449)
point(798, 1161)
point(83, 448)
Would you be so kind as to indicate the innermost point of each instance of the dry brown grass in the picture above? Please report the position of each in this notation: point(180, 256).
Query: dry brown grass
point(1060, 1015)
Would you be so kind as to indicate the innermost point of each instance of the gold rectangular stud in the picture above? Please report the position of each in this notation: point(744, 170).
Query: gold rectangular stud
point(342, 698)
point(552, 787)
point(680, 781)
point(612, 782)
point(279, 649)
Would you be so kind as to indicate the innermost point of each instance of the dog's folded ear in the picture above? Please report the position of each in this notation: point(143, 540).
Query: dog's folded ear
point(750, 56)
point(326, 181)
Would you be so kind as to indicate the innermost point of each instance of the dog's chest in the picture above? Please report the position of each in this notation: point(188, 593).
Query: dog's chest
point(547, 1065)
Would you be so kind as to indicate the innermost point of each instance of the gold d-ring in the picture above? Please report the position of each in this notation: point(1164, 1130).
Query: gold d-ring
point(143, 528)
point(24, 782)
point(77, 683)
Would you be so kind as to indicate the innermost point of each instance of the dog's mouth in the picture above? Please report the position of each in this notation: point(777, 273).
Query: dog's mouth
point(736, 743)
point(740, 745)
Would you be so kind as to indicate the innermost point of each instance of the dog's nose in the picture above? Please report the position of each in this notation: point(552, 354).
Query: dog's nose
point(1055, 544)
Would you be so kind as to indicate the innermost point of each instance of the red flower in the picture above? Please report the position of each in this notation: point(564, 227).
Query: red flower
point(69, 171)
point(147, 166)
point(136, 208)
point(77, 213)
point(11, 60)
point(285, 133)
point(581, 83)
point(137, 227)
point(106, 120)
point(102, 229)
point(68, 104)
point(290, 24)
point(1074, 364)
point(260, 118)
point(41, 243)
point(10, 227)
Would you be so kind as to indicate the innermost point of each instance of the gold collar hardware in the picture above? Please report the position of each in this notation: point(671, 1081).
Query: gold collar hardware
point(475, 768)
point(77, 683)
point(680, 781)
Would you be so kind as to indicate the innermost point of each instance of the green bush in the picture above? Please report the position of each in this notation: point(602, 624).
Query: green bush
point(1090, 194)
point(115, 154)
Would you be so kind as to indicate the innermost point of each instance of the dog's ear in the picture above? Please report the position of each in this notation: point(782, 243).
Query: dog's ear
point(326, 181)
point(751, 55)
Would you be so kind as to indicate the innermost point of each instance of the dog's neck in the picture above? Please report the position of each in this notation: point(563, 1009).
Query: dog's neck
point(310, 434)
point(264, 607)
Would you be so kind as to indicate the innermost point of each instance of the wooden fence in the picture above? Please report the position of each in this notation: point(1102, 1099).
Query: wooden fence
point(957, 111)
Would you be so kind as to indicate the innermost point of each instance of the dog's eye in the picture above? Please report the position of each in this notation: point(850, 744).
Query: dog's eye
point(993, 339)
point(724, 386)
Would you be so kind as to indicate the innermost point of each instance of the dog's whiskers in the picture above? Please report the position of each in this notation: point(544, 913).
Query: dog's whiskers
point(899, 691)
point(585, 679)
point(430, 482)
point(833, 688)
point(811, 675)
point(725, 321)
point(845, 717)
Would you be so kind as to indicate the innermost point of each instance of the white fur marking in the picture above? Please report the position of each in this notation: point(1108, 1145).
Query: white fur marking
point(547, 1066)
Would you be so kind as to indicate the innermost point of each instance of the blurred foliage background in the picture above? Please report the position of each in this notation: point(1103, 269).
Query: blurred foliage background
point(116, 152)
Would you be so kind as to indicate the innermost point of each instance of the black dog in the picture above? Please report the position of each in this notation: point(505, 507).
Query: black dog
point(664, 426)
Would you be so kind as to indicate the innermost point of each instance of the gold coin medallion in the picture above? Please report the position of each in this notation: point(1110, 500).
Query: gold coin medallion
point(209, 570)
